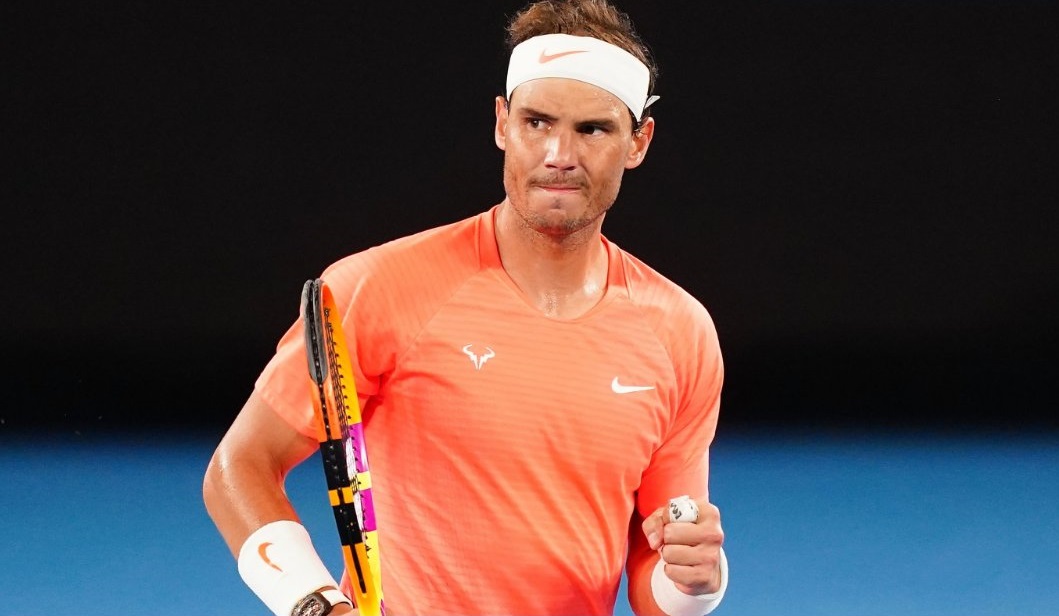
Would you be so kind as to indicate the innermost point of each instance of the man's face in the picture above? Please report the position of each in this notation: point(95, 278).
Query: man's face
point(566, 145)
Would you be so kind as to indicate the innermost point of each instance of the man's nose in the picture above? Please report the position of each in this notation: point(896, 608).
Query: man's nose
point(561, 151)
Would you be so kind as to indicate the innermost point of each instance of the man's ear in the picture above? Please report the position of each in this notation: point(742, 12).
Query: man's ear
point(641, 140)
point(500, 132)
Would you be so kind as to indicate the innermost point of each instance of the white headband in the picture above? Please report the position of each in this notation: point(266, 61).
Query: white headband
point(585, 59)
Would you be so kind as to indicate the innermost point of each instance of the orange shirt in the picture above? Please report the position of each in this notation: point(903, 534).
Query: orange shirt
point(508, 449)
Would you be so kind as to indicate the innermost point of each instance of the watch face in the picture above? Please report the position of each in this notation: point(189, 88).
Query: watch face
point(312, 605)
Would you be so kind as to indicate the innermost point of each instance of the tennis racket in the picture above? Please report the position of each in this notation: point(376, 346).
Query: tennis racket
point(341, 437)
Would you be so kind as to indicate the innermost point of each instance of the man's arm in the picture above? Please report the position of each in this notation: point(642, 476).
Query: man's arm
point(640, 564)
point(243, 486)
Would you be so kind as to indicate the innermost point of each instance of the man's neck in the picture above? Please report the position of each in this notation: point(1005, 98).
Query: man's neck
point(564, 277)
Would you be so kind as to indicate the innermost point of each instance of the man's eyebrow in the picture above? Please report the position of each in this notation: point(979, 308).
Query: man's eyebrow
point(604, 123)
point(534, 113)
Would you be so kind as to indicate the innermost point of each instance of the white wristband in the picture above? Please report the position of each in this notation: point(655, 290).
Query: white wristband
point(278, 563)
point(675, 603)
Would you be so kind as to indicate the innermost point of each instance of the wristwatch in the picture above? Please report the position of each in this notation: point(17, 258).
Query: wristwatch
point(319, 603)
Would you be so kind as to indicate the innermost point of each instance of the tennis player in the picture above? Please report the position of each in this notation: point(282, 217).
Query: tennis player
point(534, 396)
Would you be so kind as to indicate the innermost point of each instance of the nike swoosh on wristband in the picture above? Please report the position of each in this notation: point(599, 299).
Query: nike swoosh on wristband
point(618, 388)
point(262, 551)
point(546, 57)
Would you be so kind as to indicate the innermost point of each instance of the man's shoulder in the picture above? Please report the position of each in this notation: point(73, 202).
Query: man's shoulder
point(452, 246)
point(681, 322)
point(657, 294)
point(396, 286)
point(462, 234)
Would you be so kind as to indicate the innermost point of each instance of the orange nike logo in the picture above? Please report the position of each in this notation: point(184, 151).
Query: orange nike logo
point(546, 57)
point(262, 551)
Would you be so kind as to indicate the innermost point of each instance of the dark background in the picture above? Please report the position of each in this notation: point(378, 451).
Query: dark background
point(862, 193)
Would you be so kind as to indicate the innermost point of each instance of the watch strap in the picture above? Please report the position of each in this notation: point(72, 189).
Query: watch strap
point(335, 596)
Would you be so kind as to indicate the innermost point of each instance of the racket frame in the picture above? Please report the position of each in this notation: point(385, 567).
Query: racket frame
point(342, 451)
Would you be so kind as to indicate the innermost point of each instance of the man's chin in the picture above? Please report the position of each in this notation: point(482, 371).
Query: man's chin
point(559, 219)
point(544, 200)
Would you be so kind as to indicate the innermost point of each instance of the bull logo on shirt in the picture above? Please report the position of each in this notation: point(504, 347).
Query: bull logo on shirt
point(478, 360)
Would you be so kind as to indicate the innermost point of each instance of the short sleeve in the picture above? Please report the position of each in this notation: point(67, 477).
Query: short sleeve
point(285, 384)
point(680, 465)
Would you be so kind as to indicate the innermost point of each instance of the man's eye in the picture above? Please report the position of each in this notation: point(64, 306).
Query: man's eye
point(535, 123)
point(592, 129)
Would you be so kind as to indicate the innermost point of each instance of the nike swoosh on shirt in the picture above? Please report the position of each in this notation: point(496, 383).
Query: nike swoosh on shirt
point(618, 388)
point(546, 57)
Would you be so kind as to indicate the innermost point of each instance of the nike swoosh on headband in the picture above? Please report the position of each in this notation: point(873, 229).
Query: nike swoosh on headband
point(546, 57)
